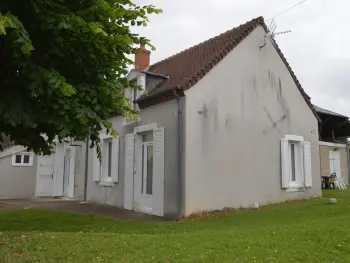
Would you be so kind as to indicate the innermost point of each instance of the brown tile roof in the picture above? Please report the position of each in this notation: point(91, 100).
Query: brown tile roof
point(187, 67)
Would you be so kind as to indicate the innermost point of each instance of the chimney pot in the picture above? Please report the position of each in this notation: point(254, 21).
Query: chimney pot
point(142, 59)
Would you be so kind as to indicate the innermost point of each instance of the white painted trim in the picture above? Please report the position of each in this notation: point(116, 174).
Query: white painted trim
point(339, 145)
point(106, 182)
point(145, 128)
point(296, 138)
point(71, 173)
point(31, 158)
point(129, 121)
point(295, 189)
point(103, 135)
point(12, 150)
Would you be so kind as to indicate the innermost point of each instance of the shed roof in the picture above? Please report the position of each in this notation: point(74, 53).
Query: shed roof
point(327, 112)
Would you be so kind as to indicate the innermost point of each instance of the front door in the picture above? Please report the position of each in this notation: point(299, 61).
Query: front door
point(334, 161)
point(147, 177)
point(45, 176)
point(144, 171)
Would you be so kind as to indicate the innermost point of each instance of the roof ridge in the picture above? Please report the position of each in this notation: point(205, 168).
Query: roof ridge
point(208, 40)
point(191, 80)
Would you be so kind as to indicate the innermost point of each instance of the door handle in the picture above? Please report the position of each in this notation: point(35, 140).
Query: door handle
point(52, 176)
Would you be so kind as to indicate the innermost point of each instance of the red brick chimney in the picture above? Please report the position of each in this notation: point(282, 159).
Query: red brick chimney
point(142, 59)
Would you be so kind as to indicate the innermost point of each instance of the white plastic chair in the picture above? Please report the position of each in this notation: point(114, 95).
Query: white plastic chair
point(339, 183)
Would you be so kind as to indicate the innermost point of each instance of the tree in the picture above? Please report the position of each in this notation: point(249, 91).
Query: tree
point(63, 65)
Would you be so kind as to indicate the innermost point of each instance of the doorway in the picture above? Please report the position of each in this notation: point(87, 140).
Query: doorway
point(68, 175)
point(334, 162)
point(144, 170)
point(45, 176)
point(55, 173)
point(147, 177)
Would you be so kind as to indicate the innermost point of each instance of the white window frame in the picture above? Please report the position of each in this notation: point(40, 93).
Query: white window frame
point(101, 168)
point(105, 179)
point(144, 168)
point(300, 167)
point(132, 93)
point(298, 158)
point(31, 158)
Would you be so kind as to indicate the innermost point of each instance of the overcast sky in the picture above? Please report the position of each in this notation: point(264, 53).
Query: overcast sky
point(317, 49)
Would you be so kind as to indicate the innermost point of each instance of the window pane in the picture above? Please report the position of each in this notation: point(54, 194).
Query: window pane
point(109, 159)
point(292, 154)
point(147, 137)
point(134, 97)
point(18, 158)
point(149, 189)
point(26, 159)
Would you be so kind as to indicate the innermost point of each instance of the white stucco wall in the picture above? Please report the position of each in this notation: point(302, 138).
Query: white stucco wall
point(164, 115)
point(16, 182)
point(231, 158)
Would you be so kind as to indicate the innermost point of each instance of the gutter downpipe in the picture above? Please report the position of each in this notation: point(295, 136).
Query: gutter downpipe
point(86, 168)
point(179, 150)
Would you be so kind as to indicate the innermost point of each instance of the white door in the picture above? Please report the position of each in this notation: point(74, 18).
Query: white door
point(68, 177)
point(45, 176)
point(147, 178)
point(144, 172)
point(334, 159)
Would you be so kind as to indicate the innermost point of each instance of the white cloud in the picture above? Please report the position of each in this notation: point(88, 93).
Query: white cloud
point(317, 49)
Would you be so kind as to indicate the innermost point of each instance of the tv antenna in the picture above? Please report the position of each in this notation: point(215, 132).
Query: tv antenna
point(271, 32)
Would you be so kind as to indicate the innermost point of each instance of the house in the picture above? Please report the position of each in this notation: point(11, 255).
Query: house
point(17, 171)
point(24, 174)
point(225, 123)
point(334, 148)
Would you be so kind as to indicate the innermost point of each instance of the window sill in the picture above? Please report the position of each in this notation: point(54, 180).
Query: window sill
point(22, 165)
point(129, 121)
point(106, 182)
point(295, 189)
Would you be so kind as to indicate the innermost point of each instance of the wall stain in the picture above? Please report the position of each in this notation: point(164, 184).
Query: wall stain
point(209, 122)
point(204, 111)
point(242, 106)
point(279, 90)
point(254, 85)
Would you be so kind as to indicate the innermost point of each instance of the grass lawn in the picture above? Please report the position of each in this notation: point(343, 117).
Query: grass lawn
point(306, 231)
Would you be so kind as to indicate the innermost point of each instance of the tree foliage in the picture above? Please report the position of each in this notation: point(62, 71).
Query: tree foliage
point(63, 65)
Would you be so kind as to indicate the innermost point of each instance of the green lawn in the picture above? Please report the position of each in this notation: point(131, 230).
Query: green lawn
point(306, 231)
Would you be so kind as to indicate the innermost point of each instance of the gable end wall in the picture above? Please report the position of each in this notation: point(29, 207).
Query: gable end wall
point(232, 151)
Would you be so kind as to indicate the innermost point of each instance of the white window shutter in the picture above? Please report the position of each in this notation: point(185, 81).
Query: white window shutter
point(115, 160)
point(96, 166)
point(285, 163)
point(307, 164)
point(129, 172)
point(158, 172)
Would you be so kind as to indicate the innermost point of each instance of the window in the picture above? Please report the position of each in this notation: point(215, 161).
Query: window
point(296, 163)
point(109, 159)
point(134, 98)
point(147, 169)
point(292, 161)
point(106, 171)
point(147, 163)
point(22, 159)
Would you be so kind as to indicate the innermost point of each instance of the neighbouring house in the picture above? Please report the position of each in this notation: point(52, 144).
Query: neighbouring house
point(17, 171)
point(334, 147)
point(225, 123)
point(24, 174)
